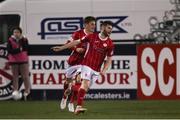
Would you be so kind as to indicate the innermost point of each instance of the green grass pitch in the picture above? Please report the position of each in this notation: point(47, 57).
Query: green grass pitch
point(106, 109)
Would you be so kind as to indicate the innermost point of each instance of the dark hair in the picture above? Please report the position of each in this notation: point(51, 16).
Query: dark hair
point(104, 23)
point(101, 23)
point(89, 19)
point(17, 28)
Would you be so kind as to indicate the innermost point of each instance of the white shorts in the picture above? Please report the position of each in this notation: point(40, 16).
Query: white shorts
point(72, 71)
point(89, 74)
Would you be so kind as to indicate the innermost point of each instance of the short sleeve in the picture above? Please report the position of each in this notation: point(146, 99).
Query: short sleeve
point(75, 36)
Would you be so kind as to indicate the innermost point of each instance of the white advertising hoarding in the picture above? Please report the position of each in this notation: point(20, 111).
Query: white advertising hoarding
point(48, 72)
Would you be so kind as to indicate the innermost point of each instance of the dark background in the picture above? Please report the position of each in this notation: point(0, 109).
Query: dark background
point(2, 0)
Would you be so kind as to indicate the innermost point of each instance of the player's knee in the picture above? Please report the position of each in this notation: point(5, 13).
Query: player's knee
point(78, 78)
point(68, 80)
point(85, 85)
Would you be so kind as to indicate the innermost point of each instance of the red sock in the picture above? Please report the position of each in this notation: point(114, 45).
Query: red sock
point(75, 89)
point(81, 95)
point(73, 97)
point(65, 88)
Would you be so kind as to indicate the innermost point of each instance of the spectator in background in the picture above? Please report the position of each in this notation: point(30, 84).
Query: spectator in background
point(18, 59)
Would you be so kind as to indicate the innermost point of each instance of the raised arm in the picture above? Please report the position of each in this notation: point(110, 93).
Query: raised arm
point(66, 46)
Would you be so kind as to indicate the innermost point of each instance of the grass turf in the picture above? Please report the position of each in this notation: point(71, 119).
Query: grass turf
point(96, 110)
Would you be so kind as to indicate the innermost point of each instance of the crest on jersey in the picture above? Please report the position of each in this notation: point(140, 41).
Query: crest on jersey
point(105, 45)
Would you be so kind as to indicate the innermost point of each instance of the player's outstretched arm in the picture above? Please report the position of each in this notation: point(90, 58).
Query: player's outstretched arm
point(66, 46)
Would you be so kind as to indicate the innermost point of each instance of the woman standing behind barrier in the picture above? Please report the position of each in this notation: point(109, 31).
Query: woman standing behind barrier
point(18, 59)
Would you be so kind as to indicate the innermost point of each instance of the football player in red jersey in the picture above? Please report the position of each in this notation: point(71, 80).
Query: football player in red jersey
point(100, 47)
point(76, 58)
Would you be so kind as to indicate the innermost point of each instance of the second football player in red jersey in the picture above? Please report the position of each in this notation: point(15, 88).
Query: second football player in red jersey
point(100, 47)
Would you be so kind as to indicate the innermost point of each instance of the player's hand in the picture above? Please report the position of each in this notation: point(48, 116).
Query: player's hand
point(57, 48)
point(80, 50)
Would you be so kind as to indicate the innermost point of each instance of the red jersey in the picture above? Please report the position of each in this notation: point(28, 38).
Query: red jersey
point(75, 57)
point(97, 50)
